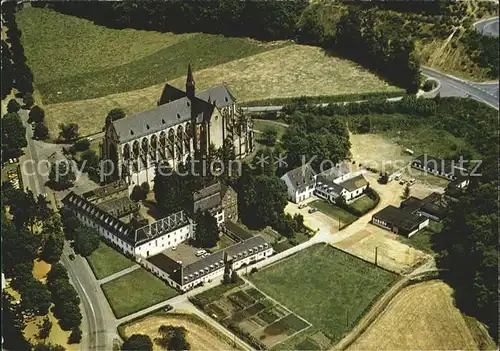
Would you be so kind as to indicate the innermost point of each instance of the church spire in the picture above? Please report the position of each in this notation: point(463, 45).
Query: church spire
point(190, 85)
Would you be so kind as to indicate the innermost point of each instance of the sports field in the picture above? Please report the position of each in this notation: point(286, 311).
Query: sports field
point(327, 287)
point(135, 291)
point(420, 317)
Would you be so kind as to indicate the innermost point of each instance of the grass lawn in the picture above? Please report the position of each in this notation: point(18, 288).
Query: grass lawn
point(324, 285)
point(261, 125)
point(224, 242)
point(135, 291)
point(81, 60)
point(106, 261)
point(423, 239)
point(362, 204)
point(426, 139)
point(333, 211)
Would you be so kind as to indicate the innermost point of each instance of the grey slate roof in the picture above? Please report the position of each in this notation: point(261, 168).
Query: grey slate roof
point(329, 187)
point(335, 172)
point(219, 94)
point(160, 118)
point(301, 177)
point(256, 244)
point(207, 198)
point(170, 93)
point(161, 227)
point(203, 267)
point(106, 220)
point(122, 230)
point(401, 218)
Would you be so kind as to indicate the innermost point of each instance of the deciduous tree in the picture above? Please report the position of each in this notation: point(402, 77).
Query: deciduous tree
point(41, 132)
point(86, 241)
point(207, 231)
point(138, 342)
point(13, 106)
point(13, 135)
point(36, 115)
point(69, 131)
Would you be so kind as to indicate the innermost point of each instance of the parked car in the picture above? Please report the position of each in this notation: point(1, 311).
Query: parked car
point(412, 181)
point(168, 308)
point(312, 210)
point(301, 206)
point(71, 257)
point(402, 182)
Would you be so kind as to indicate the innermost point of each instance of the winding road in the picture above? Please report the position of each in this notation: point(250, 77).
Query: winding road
point(452, 86)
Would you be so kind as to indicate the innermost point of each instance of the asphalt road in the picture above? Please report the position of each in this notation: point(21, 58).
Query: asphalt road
point(452, 86)
point(29, 161)
point(94, 324)
point(488, 27)
point(96, 331)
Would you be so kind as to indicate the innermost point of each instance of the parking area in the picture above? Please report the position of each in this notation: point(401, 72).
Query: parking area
point(316, 221)
point(183, 253)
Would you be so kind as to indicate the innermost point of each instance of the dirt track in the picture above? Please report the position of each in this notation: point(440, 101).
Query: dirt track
point(200, 335)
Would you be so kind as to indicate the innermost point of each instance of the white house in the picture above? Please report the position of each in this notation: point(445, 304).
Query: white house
point(339, 181)
point(300, 183)
point(303, 182)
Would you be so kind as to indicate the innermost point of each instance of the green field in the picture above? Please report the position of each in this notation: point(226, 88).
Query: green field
point(106, 261)
point(135, 291)
point(81, 60)
point(261, 125)
point(333, 211)
point(423, 240)
point(362, 204)
point(327, 287)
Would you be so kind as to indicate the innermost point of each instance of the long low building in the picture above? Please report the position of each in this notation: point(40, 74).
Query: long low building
point(399, 221)
point(186, 277)
point(145, 241)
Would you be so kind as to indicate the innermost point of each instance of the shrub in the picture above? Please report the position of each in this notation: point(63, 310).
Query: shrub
point(81, 145)
point(76, 336)
point(13, 106)
point(429, 85)
point(36, 115)
point(28, 100)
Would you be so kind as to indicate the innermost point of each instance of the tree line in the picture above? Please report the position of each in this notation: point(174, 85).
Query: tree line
point(31, 230)
point(483, 50)
point(407, 105)
point(15, 71)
